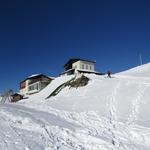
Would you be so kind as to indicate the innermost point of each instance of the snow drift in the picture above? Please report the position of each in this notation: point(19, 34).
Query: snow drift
point(105, 114)
point(140, 71)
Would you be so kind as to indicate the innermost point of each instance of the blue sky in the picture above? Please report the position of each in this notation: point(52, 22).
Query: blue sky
point(39, 36)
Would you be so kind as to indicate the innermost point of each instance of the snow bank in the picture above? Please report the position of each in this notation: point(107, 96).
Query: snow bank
point(108, 114)
point(140, 71)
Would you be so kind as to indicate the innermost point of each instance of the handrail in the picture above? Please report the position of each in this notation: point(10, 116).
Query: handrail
point(59, 88)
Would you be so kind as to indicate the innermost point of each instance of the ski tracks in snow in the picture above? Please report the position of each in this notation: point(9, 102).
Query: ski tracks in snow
point(133, 117)
point(136, 103)
point(113, 121)
point(135, 111)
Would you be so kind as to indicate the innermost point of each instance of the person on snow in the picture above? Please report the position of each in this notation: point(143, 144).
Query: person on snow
point(109, 73)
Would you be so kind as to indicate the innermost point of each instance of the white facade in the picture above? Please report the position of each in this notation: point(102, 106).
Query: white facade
point(83, 65)
point(24, 91)
point(34, 84)
point(33, 88)
point(78, 66)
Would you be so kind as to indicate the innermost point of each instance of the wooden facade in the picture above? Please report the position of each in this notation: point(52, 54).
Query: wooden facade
point(34, 84)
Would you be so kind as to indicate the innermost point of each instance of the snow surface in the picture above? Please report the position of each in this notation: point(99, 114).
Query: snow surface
point(107, 114)
point(140, 71)
point(33, 75)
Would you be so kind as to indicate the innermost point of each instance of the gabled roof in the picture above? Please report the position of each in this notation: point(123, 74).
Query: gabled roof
point(36, 76)
point(73, 60)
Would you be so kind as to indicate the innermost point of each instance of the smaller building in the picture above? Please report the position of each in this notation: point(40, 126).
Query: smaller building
point(16, 97)
point(34, 84)
point(77, 66)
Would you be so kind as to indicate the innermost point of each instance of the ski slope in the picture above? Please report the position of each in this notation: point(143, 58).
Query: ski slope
point(108, 114)
point(139, 71)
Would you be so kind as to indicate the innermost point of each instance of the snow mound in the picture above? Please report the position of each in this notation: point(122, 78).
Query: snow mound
point(140, 71)
point(107, 113)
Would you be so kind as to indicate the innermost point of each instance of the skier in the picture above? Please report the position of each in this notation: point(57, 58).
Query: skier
point(109, 73)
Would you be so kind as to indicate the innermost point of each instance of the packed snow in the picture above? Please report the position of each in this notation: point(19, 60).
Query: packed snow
point(140, 71)
point(107, 114)
point(34, 75)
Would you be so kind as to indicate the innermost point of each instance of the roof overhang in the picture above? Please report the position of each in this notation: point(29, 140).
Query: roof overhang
point(73, 60)
point(36, 76)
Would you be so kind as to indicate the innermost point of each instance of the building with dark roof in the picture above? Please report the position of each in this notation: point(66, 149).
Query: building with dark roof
point(34, 84)
point(76, 66)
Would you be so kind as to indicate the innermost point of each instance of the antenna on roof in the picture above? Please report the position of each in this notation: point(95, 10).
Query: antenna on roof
point(141, 59)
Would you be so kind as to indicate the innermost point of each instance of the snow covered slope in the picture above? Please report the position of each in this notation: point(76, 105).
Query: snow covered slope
point(104, 115)
point(49, 89)
point(140, 71)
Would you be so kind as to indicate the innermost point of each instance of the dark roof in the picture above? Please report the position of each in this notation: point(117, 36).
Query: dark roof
point(16, 94)
point(73, 60)
point(36, 76)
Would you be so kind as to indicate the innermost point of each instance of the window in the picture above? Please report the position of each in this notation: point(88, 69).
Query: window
point(34, 87)
point(86, 66)
point(82, 66)
point(90, 67)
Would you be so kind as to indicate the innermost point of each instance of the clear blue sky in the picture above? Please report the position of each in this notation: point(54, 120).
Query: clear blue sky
point(39, 36)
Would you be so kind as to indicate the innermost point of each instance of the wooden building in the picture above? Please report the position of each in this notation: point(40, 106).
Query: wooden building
point(34, 84)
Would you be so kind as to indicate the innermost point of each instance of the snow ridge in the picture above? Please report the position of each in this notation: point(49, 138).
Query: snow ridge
point(107, 114)
point(136, 103)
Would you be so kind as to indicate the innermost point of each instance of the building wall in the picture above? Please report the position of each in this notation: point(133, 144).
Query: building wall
point(16, 98)
point(76, 65)
point(24, 90)
point(83, 65)
point(27, 85)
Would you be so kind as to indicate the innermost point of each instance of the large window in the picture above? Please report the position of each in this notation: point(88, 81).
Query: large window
point(34, 87)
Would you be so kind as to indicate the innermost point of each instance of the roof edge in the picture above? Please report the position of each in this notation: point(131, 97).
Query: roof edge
point(31, 77)
point(78, 59)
